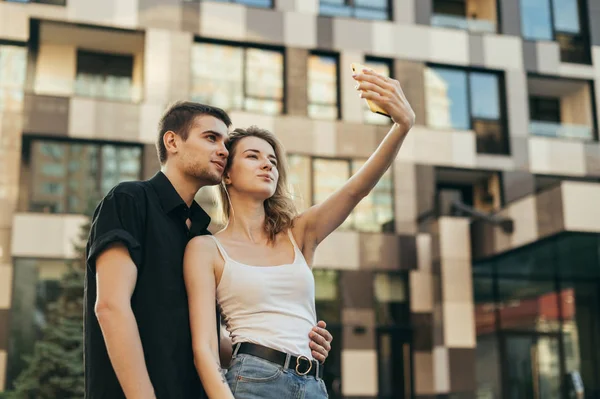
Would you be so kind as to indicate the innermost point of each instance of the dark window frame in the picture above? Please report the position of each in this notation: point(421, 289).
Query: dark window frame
point(26, 158)
point(259, 46)
point(60, 3)
point(502, 101)
point(583, 37)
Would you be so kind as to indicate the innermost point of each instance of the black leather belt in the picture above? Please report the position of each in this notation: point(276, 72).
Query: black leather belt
point(300, 364)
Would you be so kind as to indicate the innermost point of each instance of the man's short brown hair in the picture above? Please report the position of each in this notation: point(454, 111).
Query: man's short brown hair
point(179, 117)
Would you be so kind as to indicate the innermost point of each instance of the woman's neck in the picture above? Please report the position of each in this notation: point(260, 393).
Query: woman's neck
point(246, 218)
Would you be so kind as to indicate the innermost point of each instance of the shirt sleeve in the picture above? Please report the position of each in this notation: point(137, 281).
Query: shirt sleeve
point(117, 219)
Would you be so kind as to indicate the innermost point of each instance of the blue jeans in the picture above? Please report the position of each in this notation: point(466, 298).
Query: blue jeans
point(251, 377)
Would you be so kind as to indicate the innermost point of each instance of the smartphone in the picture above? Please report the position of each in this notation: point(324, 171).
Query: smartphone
point(358, 68)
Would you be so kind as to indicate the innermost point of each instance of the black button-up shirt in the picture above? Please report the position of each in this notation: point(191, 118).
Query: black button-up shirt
point(149, 218)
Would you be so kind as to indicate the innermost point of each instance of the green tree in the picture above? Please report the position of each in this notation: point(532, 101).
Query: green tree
point(55, 369)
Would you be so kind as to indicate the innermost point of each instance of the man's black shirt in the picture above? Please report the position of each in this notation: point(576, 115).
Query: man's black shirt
point(149, 218)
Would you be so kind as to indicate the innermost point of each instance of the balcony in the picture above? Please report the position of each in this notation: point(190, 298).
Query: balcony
point(561, 108)
point(469, 15)
point(457, 22)
point(82, 61)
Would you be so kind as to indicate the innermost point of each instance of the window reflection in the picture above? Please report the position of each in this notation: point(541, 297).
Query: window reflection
point(299, 179)
point(447, 101)
point(383, 67)
point(535, 19)
point(566, 16)
point(391, 299)
point(329, 176)
point(65, 176)
point(322, 87)
point(35, 286)
point(233, 78)
point(376, 211)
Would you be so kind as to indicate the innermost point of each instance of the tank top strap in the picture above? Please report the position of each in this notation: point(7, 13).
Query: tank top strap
point(221, 249)
point(291, 236)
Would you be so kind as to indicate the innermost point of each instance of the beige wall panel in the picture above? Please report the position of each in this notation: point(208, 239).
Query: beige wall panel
point(307, 6)
point(449, 46)
point(459, 325)
point(502, 52)
point(548, 56)
point(359, 373)
point(555, 156)
point(223, 20)
point(6, 280)
point(423, 373)
point(300, 30)
point(576, 71)
point(456, 281)
point(421, 286)
point(97, 12)
point(55, 72)
point(424, 247)
point(157, 66)
point(294, 134)
point(413, 42)
point(14, 21)
point(44, 235)
point(329, 255)
point(455, 241)
point(3, 359)
point(441, 371)
point(517, 103)
point(126, 13)
point(581, 206)
point(149, 116)
point(352, 35)
point(523, 213)
point(383, 39)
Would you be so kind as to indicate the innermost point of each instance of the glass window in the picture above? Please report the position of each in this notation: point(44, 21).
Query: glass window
point(66, 176)
point(566, 16)
point(447, 102)
point(53, 2)
point(299, 180)
point(13, 66)
point(535, 19)
point(103, 75)
point(234, 78)
point(376, 211)
point(252, 3)
point(363, 9)
point(327, 296)
point(383, 67)
point(35, 286)
point(463, 100)
point(391, 299)
point(323, 87)
point(328, 176)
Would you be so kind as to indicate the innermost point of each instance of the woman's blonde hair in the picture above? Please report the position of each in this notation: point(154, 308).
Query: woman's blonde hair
point(280, 210)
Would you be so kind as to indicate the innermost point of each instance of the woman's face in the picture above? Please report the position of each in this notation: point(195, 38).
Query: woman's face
point(253, 168)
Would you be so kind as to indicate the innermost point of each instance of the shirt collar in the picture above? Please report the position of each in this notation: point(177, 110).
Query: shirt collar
point(170, 200)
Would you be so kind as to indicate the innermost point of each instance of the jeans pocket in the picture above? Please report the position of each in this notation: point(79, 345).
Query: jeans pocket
point(253, 369)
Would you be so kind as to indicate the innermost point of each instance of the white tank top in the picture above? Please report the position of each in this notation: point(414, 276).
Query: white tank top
point(273, 306)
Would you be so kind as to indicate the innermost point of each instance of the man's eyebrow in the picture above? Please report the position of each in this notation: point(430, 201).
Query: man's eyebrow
point(213, 132)
point(258, 152)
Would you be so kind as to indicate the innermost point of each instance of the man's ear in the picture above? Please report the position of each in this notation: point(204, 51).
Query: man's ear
point(170, 141)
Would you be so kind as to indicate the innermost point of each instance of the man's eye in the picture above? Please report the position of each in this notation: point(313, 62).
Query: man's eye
point(212, 138)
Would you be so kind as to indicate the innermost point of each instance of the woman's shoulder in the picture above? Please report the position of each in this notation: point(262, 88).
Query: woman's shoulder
point(204, 244)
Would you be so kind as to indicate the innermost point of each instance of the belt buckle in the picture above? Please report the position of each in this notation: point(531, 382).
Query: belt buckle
point(310, 365)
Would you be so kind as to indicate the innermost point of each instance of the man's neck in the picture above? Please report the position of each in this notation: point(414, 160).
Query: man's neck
point(185, 187)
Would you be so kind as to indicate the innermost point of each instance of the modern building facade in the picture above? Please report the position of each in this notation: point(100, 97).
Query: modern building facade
point(472, 270)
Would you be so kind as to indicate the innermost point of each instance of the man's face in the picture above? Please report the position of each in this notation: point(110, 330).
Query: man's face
point(203, 155)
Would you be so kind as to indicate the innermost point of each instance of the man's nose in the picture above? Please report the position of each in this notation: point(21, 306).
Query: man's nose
point(223, 152)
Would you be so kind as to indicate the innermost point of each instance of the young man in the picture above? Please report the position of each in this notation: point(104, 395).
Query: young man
point(137, 340)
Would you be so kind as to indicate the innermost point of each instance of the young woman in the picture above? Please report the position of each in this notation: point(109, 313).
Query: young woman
point(258, 267)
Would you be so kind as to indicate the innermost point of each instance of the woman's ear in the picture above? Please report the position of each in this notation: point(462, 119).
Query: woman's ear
point(226, 179)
